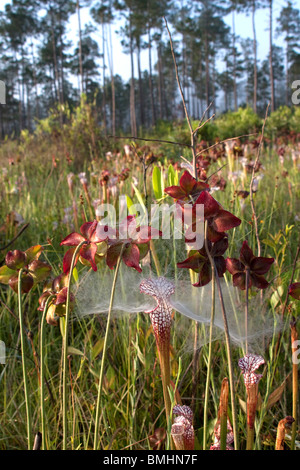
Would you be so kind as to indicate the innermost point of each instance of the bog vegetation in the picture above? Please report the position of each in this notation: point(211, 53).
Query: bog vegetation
point(143, 341)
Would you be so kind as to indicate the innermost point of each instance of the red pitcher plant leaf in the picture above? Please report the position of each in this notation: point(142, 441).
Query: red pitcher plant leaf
point(198, 261)
point(257, 267)
point(90, 233)
point(188, 190)
point(294, 290)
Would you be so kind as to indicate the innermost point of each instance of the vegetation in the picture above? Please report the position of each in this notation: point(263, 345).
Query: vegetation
point(116, 332)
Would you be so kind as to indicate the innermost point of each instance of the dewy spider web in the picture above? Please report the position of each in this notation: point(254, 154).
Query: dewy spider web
point(189, 303)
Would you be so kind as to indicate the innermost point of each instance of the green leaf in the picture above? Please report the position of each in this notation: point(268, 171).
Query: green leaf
point(75, 274)
point(275, 396)
point(33, 252)
point(74, 351)
point(5, 274)
point(62, 325)
point(172, 176)
point(130, 206)
point(140, 198)
point(157, 183)
point(39, 270)
point(97, 348)
point(276, 296)
point(270, 243)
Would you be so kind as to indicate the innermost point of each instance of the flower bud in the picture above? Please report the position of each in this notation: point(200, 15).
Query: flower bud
point(51, 315)
point(15, 259)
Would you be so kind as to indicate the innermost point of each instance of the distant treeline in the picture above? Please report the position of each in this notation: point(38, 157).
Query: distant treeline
point(42, 68)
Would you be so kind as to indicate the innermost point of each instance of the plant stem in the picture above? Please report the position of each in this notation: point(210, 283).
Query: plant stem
point(230, 366)
point(113, 288)
point(294, 341)
point(42, 371)
point(65, 348)
point(25, 376)
point(209, 357)
point(228, 346)
point(246, 310)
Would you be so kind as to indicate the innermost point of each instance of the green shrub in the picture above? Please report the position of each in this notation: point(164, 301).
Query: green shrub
point(279, 122)
point(241, 122)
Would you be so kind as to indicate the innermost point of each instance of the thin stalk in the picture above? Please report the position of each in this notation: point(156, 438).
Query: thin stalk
point(65, 348)
point(25, 376)
point(42, 371)
point(254, 215)
point(294, 341)
point(192, 132)
point(230, 365)
point(113, 288)
point(209, 355)
point(228, 347)
point(247, 309)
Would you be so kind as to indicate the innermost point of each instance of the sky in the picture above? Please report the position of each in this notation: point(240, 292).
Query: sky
point(243, 25)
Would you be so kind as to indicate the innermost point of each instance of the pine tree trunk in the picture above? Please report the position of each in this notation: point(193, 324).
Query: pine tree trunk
point(159, 82)
point(56, 78)
point(234, 63)
point(206, 71)
point(112, 79)
point(132, 86)
point(104, 78)
point(80, 48)
point(255, 58)
point(37, 112)
point(141, 99)
point(153, 113)
point(271, 57)
point(287, 72)
point(62, 77)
